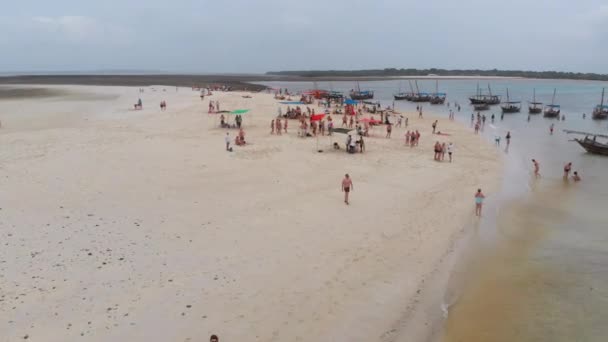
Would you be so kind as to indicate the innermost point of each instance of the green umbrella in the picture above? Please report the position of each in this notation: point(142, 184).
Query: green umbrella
point(239, 111)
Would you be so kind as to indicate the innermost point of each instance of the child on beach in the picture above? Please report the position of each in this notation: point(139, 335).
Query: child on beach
point(478, 202)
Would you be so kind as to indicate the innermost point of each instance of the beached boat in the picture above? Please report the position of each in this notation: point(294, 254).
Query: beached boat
point(359, 94)
point(591, 145)
point(553, 110)
point(510, 106)
point(437, 97)
point(600, 112)
point(533, 106)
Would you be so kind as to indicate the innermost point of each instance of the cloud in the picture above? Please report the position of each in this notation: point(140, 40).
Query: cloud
point(79, 30)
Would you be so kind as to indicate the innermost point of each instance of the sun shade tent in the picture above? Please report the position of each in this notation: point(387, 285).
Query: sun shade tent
point(317, 117)
point(351, 102)
point(239, 111)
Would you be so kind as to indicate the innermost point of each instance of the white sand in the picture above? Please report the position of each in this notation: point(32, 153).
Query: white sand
point(113, 222)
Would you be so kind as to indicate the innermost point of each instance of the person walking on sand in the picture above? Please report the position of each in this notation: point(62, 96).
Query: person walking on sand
point(406, 122)
point(272, 126)
point(479, 197)
point(347, 186)
point(567, 169)
point(536, 168)
point(434, 126)
point(389, 129)
point(285, 126)
point(407, 138)
point(508, 137)
point(450, 151)
point(344, 120)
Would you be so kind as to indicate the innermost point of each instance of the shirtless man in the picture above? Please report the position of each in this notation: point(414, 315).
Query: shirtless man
point(536, 168)
point(576, 177)
point(478, 202)
point(347, 186)
point(285, 126)
point(389, 129)
point(272, 127)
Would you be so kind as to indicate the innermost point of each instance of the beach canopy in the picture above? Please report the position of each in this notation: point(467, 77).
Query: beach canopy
point(351, 102)
point(370, 120)
point(239, 111)
point(317, 117)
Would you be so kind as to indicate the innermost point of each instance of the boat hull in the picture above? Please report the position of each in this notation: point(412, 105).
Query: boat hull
point(533, 110)
point(592, 146)
point(510, 109)
point(552, 114)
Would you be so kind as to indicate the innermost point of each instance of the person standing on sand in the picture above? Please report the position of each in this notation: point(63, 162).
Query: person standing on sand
point(278, 126)
point(450, 150)
point(479, 197)
point(272, 127)
point(536, 168)
point(434, 126)
point(508, 137)
point(389, 129)
point(567, 169)
point(551, 129)
point(285, 126)
point(443, 151)
point(347, 186)
point(407, 138)
point(406, 122)
point(227, 140)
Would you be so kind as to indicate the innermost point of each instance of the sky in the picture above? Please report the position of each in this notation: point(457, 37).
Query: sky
point(254, 36)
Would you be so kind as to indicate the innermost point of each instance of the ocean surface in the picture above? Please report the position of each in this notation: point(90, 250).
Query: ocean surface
point(536, 265)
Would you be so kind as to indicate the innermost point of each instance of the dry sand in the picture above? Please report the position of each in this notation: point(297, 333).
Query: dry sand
point(121, 225)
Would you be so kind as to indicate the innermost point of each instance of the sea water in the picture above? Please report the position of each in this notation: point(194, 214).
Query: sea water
point(536, 268)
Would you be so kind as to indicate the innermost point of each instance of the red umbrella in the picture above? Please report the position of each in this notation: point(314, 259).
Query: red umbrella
point(317, 117)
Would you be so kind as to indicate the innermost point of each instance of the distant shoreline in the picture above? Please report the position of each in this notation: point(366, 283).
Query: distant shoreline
point(241, 82)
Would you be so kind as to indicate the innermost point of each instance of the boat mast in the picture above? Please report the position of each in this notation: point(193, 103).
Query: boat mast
point(553, 99)
point(602, 103)
point(411, 87)
point(417, 90)
point(534, 96)
point(436, 87)
point(489, 90)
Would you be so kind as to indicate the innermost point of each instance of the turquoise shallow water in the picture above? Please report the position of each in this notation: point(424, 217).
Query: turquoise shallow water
point(538, 265)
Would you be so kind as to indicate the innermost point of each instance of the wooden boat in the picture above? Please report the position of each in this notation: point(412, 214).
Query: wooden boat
point(510, 106)
point(437, 97)
point(420, 96)
point(401, 95)
point(591, 145)
point(600, 112)
point(535, 107)
point(552, 110)
point(479, 98)
point(361, 94)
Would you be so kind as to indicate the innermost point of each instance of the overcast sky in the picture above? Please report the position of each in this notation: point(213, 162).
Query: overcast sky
point(263, 35)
